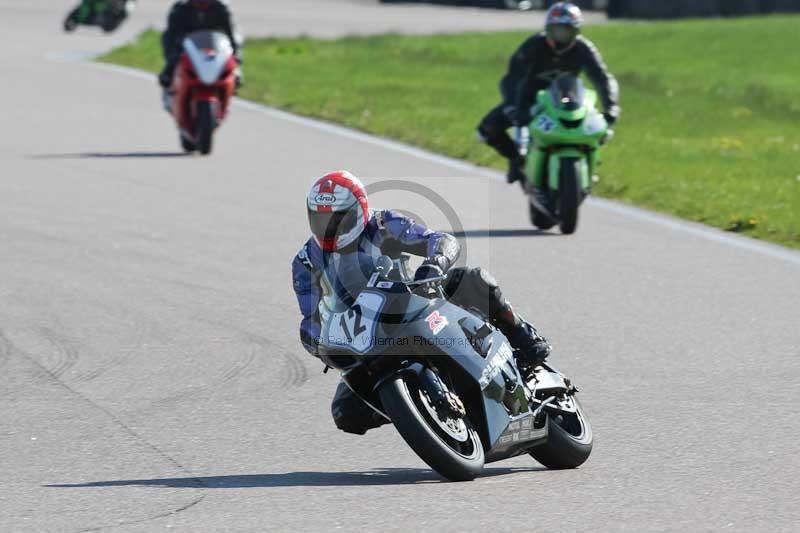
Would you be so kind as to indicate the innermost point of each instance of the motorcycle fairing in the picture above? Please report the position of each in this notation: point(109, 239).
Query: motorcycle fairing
point(554, 166)
point(209, 53)
point(354, 329)
point(190, 89)
point(490, 384)
point(566, 124)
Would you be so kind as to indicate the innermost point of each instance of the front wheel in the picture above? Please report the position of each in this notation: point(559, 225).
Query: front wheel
point(569, 440)
point(108, 25)
point(569, 194)
point(112, 18)
point(204, 126)
point(451, 447)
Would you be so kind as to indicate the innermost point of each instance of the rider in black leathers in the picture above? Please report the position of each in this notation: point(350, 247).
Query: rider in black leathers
point(541, 59)
point(188, 16)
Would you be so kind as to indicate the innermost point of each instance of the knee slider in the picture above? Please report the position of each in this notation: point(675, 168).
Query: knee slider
point(351, 415)
point(487, 133)
point(347, 419)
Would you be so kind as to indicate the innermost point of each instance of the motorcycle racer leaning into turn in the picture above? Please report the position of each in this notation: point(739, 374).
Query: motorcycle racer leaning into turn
point(347, 237)
point(558, 50)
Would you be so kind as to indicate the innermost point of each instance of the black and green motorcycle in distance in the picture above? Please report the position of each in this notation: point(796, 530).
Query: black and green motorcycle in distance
point(107, 14)
point(561, 149)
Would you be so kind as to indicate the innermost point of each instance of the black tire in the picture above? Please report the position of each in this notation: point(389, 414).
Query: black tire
point(204, 127)
point(430, 445)
point(569, 441)
point(569, 194)
point(109, 23)
point(187, 145)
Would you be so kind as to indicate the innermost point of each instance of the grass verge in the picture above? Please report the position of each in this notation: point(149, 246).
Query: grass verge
point(711, 118)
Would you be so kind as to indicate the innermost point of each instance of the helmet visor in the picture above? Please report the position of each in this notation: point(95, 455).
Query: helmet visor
point(326, 226)
point(562, 34)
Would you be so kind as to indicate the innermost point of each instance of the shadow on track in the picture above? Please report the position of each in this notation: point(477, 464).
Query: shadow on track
point(112, 155)
point(527, 232)
point(388, 476)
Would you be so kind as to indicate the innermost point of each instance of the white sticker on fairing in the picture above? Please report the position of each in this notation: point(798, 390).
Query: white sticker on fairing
point(495, 365)
point(208, 64)
point(355, 328)
point(437, 322)
point(545, 124)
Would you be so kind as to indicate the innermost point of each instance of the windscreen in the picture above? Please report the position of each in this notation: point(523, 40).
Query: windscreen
point(208, 40)
point(568, 93)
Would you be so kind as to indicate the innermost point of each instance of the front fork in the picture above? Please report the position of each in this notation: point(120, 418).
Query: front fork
point(543, 167)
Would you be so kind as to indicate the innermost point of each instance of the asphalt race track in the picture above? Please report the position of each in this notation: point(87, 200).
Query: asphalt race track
point(150, 373)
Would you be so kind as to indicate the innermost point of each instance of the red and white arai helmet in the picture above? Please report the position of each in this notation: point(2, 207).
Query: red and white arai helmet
point(338, 210)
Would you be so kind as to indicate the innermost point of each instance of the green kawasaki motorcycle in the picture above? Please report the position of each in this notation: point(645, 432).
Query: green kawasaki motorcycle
point(108, 14)
point(561, 149)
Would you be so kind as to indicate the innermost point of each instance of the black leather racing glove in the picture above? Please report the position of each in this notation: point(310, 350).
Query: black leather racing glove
point(611, 119)
point(432, 267)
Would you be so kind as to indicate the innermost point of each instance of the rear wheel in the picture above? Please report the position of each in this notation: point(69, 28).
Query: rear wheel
point(569, 194)
point(110, 21)
point(569, 440)
point(204, 127)
point(452, 447)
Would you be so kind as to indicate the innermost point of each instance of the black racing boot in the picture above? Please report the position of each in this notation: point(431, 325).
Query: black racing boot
point(530, 348)
point(516, 170)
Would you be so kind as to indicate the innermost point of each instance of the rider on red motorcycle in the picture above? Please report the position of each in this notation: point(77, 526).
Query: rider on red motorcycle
point(188, 16)
point(348, 237)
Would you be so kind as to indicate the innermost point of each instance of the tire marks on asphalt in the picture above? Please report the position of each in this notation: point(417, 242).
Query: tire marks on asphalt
point(145, 330)
point(64, 353)
point(5, 349)
point(293, 371)
point(51, 377)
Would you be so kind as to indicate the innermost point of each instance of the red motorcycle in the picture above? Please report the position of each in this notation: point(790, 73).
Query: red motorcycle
point(204, 83)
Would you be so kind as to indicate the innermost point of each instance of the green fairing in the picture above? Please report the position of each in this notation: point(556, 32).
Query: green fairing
point(548, 131)
point(90, 7)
